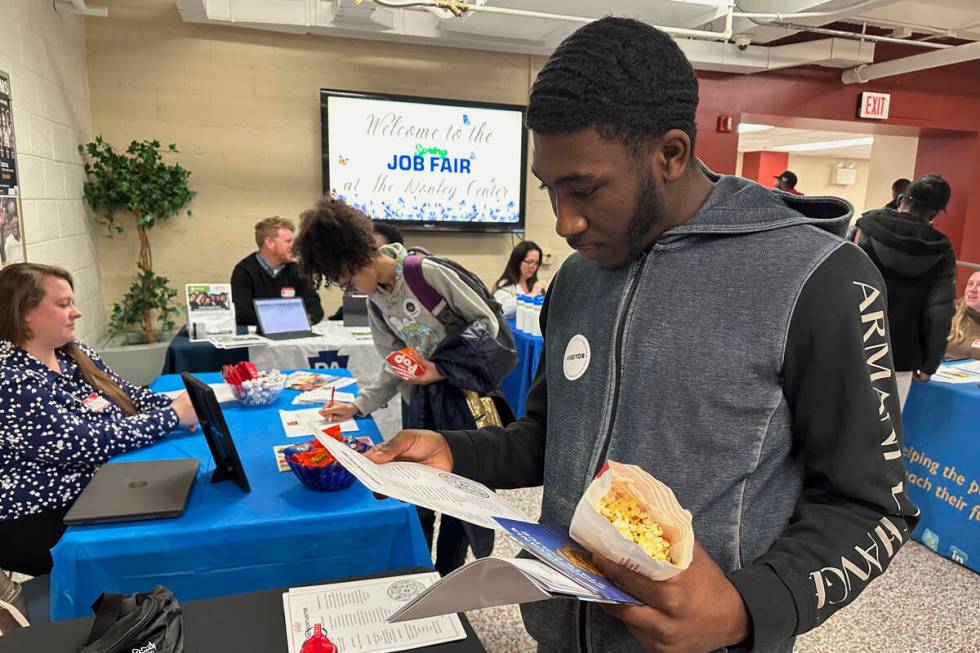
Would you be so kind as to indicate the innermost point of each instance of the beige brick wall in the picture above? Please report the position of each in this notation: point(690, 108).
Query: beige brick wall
point(892, 157)
point(43, 51)
point(243, 107)
point(816, 172)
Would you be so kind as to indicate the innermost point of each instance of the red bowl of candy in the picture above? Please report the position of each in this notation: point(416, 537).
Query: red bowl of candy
point(317, 469)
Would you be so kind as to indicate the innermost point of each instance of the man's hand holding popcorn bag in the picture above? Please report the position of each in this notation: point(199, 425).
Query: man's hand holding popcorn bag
point(643, 541)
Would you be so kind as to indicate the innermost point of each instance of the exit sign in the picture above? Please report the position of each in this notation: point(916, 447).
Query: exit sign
point(874, 105)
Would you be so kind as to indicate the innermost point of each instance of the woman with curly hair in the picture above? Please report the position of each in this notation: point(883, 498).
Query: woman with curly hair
point(462, 360)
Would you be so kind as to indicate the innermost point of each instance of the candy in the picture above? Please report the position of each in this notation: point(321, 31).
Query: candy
point(316, 468)
point(258, 389)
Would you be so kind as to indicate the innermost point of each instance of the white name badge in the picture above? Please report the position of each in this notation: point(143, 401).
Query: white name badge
point(976, 343)
point(578, 353)
point(288, 292)
point(95, 403)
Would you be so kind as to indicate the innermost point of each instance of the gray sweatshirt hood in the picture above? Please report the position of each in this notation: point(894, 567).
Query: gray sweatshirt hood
point(738, 205)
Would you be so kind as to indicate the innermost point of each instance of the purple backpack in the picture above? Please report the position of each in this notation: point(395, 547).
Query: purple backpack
point(436, 304)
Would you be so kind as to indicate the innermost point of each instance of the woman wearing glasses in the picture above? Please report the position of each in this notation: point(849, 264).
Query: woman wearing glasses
point(520, 277)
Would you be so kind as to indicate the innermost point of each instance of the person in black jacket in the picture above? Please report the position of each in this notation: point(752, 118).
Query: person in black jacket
point(919, 268)
point(271, 272)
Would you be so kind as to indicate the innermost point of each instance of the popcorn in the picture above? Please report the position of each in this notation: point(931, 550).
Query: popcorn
point(634, 520)
point(634, 523)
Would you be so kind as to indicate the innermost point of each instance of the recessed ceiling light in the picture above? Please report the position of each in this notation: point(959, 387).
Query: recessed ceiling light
point(749, 127)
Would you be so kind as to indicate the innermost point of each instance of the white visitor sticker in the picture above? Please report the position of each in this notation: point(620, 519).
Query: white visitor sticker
point(577, 357)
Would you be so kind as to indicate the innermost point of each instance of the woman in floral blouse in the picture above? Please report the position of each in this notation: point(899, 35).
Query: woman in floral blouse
point(62, 413)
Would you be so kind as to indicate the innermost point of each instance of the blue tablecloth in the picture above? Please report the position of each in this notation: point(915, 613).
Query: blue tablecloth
point(516, 384)
point(227, 542)
point(186, 356)
point(942, 440)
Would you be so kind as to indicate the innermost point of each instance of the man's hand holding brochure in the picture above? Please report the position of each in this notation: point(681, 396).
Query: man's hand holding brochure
point(563, 567)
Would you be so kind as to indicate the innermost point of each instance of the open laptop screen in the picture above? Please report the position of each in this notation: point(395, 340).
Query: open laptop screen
point(282, 315)
point(355, 310)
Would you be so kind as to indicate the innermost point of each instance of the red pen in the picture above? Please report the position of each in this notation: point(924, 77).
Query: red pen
point(333, 393)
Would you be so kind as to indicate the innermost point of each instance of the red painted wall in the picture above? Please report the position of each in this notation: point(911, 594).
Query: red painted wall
point(935, 154)
point(933, 101)
point(764, 166)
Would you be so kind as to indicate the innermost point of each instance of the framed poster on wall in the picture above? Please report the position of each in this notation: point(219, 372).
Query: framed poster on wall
point(12, 246)
point(11, 224)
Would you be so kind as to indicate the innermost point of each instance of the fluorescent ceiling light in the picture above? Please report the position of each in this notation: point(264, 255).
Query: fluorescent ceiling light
point(749, 127)
point(825, 145)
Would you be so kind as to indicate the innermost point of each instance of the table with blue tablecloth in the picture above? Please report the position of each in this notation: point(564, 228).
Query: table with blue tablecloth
point(516, 384)
point(333, 346)
point(228, 542)
point(942, 459)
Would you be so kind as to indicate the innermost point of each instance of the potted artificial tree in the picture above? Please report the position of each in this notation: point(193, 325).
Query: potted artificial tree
point(137, 185)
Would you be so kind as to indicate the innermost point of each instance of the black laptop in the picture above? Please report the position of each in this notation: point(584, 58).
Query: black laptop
point(153, 489)
point(283, 319)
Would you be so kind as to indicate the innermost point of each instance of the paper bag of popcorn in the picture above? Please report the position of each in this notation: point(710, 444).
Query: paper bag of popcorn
point(634, 520)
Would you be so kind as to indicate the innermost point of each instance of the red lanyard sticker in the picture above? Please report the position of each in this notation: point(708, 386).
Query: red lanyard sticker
point(95, 403)
point(288, 291)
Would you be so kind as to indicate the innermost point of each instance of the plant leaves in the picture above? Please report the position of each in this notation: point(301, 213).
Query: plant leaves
point(136, 182)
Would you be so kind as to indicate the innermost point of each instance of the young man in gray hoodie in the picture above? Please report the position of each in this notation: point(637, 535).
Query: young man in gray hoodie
point(721, 336)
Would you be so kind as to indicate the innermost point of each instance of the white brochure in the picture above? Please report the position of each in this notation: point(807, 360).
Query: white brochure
point(297, 423)
point(210, 310)
point(222, 392)
point(958, 373)
point(489, 582)
point(563, 567)
point(322, 397)
point(353, 615)
point(238, 342)
point(425, 486)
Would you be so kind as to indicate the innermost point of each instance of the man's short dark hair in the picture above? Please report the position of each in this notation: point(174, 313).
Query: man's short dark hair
point(391, 233)
point(899, 186)
point(626, 79)
point(334, 239)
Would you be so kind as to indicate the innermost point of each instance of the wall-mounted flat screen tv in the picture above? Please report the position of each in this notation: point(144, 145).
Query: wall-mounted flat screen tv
point(425, 163)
